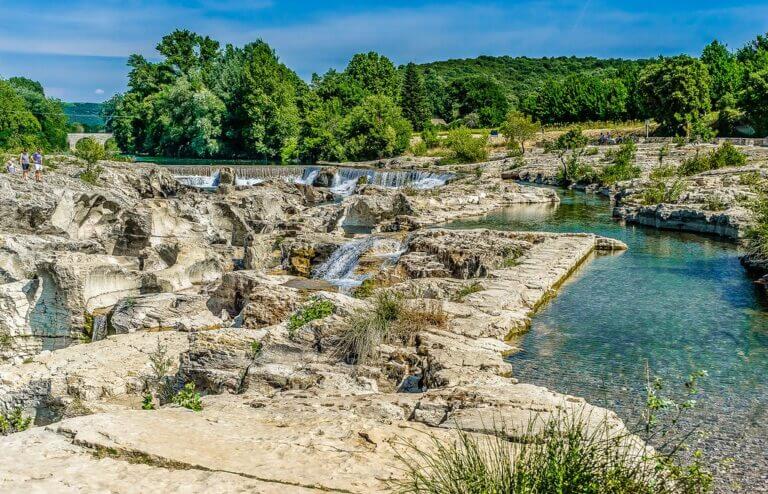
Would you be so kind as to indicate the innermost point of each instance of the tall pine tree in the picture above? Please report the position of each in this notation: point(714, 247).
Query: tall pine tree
point(413, 99)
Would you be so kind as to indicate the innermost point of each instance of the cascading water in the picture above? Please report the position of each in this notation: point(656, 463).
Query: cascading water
point(344, 181)
point(339, 268)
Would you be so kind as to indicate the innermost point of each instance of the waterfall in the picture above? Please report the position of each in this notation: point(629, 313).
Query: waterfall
point(99, 327)
point(308, 176)
point(344, 181)
point(339, 268)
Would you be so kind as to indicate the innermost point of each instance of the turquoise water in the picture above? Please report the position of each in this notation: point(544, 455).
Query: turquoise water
point(680, 302)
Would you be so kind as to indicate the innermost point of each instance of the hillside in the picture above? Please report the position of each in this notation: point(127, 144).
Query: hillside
point(87, 114)
point(521, 75)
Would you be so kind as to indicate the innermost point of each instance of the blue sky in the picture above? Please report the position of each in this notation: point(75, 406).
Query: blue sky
point(77, 49)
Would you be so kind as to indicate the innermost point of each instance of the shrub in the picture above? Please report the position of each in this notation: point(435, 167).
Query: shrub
point(663, 171)
point(726, 155)
point(429, 137)
point(751, 179)
point(148, 402)
point(419, 149)
point(14, 422)
point(464, 147)
point(757, 234)
point(90, 150)
point(715, 203)
point(591, 152)
point(660, 192)
point(188, 398)
point(317, 309)
point(693, 165)
point(623, 167)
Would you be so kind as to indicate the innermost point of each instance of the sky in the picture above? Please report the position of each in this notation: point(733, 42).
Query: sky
point(77, 49)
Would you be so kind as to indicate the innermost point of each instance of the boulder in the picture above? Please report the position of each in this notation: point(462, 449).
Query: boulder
point(160, 312)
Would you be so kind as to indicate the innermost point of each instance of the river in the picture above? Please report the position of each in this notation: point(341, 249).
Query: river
point(679, 302)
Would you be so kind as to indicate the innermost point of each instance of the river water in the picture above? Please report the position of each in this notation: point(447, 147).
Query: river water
point(676, 301)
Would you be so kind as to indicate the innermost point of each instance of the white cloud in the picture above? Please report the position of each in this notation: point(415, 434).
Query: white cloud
point(99, 91)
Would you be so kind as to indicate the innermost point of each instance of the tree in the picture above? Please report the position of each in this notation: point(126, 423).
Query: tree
point(376, 129)
point(321, 136)
point(723, 71)
point(465, 147)
point(676, 92)
point(18, 126)
point(48, 112)
point(754, 100)
point(413, 99)
point(187, 120)
point(518, 128)
point(374, 73)
point(481, 95)
point(89, 150)
point(580, 98)
point(185, 51)
point(436, 89)
point(260, 95)
point(569, 147)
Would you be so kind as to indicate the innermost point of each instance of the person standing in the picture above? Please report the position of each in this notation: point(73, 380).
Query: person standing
point(24, 160)
point(38, 160)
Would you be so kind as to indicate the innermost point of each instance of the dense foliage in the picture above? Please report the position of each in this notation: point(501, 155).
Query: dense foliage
point(29, 119)
point(202, 99)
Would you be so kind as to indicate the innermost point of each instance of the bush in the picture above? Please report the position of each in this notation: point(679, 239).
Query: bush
point(660, 192)
point(90, 150)
point(663, 171)
point(188, 398)
point(366, 288)
point(317, 309)
point(429, 136)
point(715, 203)
point(467, 290)
point(751, 179)
point(419, 149)
point(726, 155)
point(757, 234)
point(14, 422)
point(464, 147)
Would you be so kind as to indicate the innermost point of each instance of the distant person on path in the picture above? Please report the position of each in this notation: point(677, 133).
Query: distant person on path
point(38, 159)
point(24, 160)
point(10, 166)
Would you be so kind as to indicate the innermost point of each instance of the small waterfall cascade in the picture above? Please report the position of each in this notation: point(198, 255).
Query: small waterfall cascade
point(339, 268)
point(344, 181)
point(99, 327)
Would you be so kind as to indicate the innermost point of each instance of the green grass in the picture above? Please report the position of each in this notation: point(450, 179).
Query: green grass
point(390, 320)
point(564, 457)
point(660, 191)
point(467, 290)
point(14, 422)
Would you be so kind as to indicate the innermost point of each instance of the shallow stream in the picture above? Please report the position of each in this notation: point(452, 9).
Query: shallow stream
point(679, 302)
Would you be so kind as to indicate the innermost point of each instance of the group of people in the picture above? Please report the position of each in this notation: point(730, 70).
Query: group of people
point(25, 159)
point(607, 139)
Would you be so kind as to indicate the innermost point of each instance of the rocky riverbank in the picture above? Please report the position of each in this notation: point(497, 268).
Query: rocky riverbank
point(136, 285)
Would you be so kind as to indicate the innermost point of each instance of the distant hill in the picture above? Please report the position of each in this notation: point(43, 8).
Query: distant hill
point(87, 114)
point(521, 76)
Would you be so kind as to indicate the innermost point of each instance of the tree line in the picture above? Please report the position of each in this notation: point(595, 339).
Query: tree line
point(207, 100)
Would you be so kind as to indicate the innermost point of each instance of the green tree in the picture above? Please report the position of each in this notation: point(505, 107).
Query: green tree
point(569, 148)
point(374, 73)
point(436, 89)
point(465, 147)
point(518, 128)
point(754, 100)
point(723, 70)
point(376, 129)
point(260, 95)
point(187, 120)
point(18, 126)
point(413, 98)
point(580, 98)
point(321, 136)
point(676, 92)
point(185, 51)
point(48, 112)
point(481, 95)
